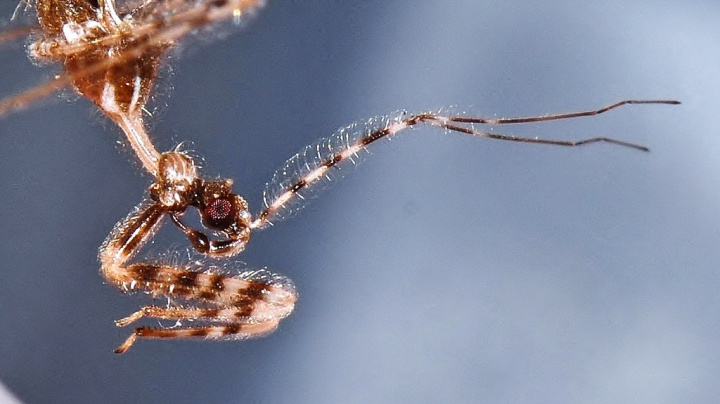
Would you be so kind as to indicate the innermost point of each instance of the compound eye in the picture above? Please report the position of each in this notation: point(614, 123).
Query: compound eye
point(219, 214)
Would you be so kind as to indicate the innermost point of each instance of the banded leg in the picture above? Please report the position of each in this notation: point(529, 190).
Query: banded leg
point(233, 331)
point(250, 304)
point(285, 192)
point(220, 315)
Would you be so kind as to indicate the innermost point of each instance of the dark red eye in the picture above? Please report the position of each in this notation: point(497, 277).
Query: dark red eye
point(219, 213)
point(219, 209)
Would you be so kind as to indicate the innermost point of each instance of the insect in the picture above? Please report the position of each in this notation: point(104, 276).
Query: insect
point(110, 52)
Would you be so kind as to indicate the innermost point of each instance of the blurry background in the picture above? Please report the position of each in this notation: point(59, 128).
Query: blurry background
point(445, 268)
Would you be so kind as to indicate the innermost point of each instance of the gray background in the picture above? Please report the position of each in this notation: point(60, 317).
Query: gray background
point(444, 269)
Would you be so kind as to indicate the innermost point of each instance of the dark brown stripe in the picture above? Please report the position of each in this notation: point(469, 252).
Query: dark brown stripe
point(231, 329)
point(143, 273)
point(217, 282)
point(245, 309)
point(298, 186)
point(254, 291)
point(245, 299)
point(136, 231)
point(186, 279)
point(148, 332)
point(333, 161)
point(373, 137)
point(197, 332)
point(206, 294)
